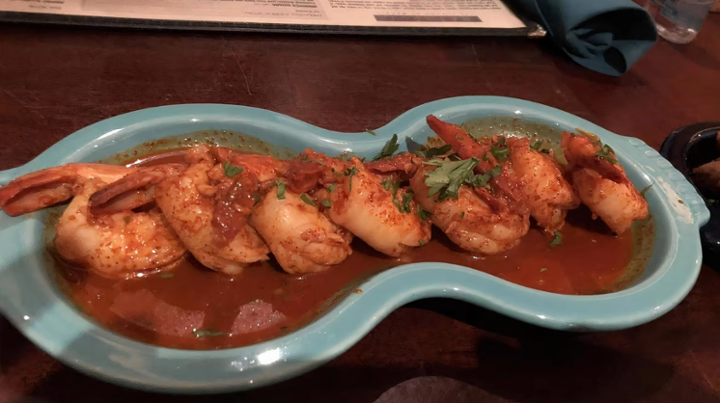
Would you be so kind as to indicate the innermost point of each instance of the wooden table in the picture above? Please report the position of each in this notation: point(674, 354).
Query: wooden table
point(54, 81)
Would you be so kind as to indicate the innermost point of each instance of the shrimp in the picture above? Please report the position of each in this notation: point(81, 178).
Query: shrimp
point(548, 194)
point(601, 183)
point(506, 188)
point(387, 222)
point(118, 245)
point(302, 239)
point(470, 222)
point(300, 236)
point(210, 217)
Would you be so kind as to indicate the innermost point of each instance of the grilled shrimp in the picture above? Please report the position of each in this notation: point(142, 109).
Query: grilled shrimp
point(468, 220)
point(549, 196)
point(506, 188)
point(601, 183)
point(116, 245)
point(209, 212)
point(361, 204)
point(302, 239)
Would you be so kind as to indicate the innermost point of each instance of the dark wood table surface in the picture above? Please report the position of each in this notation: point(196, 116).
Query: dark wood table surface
point(56, 80)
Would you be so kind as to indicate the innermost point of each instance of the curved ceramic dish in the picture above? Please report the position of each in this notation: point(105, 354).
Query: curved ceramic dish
point(30, 299)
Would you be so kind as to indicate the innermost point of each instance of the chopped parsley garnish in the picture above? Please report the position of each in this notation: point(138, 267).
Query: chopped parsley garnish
point(389, 149)
point(280, 189)
point(448, 177)
point(307, 199)
point(406, 199)
point(499, 150)
point(388, 183)
point(206, 333)
point(350, 172)
point(483, 179)
point(327, 203)
point(231, 170)
point(393, 186)
point(608, 154)
point(126, 219)
point(645, 189)
point(421, 242)
point(371, 132)
point(166, 275)
point(434, 152)
point(557, 239)
point(423, 214)
point(331, 188)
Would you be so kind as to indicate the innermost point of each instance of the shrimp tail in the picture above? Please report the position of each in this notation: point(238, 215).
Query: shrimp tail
point(44, 188)
point(581, 151)
point(460, 141)
point(132, 191)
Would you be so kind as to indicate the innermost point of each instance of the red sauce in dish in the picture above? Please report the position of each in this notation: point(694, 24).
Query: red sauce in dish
point(195, 308)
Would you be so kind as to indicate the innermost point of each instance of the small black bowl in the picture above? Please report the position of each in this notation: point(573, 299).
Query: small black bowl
point(687, 148)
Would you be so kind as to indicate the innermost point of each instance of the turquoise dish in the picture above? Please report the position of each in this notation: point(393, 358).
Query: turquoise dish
point(30, 299)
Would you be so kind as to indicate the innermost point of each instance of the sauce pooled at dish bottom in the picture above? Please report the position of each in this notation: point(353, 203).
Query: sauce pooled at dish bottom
point(192, 307)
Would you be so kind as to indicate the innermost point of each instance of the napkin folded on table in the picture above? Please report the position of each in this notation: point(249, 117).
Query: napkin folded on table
point(607, 36)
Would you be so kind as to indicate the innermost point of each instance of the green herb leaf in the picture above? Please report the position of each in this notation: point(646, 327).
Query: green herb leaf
point(388, 183)
point(422, 242)
point(645, 189)
point(327, 203)
point(406, 200)
point(389, 149)
point(350, 172)
point(371, 132)
point(166, 275)
point(126, 219)
point(331, 188)
point(536, 145)
point(608, 154)
point(231, 170)
point(557, 239)
point(448, 177)
point(483, 179)
point(307, 199)
point(423, 214)
point(206, 333)
point(499, 150)
point(434, 152)
point(280, 189)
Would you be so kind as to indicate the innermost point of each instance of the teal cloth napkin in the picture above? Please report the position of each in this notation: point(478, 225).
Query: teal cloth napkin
point(607, 36)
